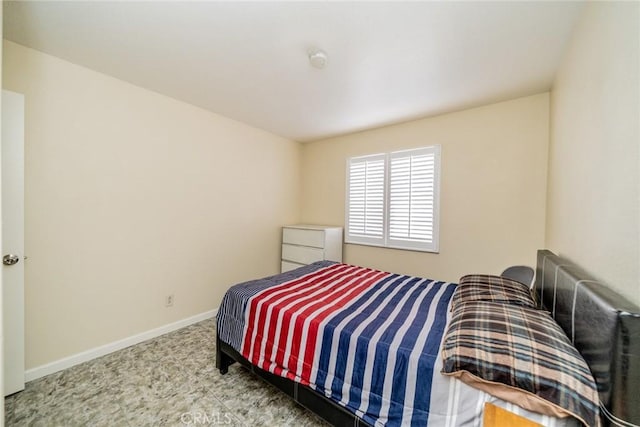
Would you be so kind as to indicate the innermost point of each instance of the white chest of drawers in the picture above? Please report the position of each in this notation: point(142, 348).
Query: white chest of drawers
point(304, 244)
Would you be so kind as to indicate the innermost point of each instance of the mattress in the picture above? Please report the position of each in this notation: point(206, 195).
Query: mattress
point(366, 339)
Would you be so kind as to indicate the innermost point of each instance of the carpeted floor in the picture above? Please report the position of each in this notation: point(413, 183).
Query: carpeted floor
point(170, 380)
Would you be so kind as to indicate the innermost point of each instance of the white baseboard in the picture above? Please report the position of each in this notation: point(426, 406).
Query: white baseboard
point(85, 356)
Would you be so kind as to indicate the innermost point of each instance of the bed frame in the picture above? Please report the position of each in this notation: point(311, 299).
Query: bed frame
point(603, 326)
point(312, 400)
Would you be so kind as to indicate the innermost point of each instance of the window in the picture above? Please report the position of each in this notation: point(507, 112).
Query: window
point(392, 199)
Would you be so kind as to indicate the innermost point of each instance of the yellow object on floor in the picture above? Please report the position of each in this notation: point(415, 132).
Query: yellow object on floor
point(494, 416)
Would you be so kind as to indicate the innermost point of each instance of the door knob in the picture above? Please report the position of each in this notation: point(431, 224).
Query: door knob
point(10, 259)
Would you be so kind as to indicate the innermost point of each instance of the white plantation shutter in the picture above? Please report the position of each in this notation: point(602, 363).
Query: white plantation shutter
point(365, 200)
point(392, 199)
point(413, 197)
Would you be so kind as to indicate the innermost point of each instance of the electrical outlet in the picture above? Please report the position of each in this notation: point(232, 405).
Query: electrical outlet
point(168, 301)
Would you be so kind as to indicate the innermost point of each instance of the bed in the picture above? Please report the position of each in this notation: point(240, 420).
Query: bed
point(360, 381)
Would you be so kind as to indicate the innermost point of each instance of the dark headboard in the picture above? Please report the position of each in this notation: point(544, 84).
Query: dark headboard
point(604, 327)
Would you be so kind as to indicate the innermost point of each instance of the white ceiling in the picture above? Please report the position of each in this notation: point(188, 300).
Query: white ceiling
point(388, 61)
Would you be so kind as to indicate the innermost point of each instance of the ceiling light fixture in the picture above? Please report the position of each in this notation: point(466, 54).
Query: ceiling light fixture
point(317, 58)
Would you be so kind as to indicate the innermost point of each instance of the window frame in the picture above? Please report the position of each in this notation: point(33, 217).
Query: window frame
point(386, 241)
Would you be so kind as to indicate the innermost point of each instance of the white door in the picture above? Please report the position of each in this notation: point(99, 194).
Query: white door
point(13, 240)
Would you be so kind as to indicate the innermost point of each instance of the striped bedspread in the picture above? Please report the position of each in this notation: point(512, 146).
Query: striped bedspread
point(366, 339)
point(333, 330)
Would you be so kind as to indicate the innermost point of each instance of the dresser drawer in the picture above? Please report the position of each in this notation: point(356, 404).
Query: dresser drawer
point(301, 254)
point(297, 236)
point(287, 266)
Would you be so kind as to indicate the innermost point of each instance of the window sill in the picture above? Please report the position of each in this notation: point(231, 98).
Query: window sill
point(401, 248)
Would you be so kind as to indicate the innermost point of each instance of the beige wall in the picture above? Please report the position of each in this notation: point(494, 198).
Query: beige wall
point(494, 166)
point(131, 196)
point(593, 213)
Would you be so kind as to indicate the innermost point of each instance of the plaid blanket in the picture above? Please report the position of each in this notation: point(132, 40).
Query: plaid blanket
point(510, 348)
